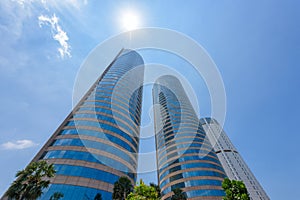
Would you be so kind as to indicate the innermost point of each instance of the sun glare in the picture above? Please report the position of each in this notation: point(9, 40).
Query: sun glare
point(130, 20)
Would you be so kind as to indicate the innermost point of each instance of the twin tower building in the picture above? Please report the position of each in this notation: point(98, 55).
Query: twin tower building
point(98, 142)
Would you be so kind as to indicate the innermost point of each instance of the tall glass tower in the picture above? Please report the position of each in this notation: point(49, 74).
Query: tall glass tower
point(98, 141)
point(232, 162)
point(185, 159)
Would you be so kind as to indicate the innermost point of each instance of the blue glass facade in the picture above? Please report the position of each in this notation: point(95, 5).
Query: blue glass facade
point(185, 158)
point(98, 142)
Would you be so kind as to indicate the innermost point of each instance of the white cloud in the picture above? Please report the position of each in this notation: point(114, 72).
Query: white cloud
point(21, 2)
point(19, 144)
point(58, 34)
point(74, 3)
point(70, 5)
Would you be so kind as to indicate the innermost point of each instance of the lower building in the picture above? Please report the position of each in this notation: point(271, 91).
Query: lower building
point(232, 162)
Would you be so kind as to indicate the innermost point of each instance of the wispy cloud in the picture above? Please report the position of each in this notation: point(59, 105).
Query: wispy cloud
point(74, 3)
point(19, 144)
point(58, 34)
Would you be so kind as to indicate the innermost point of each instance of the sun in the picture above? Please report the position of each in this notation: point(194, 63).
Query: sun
point(130, 20)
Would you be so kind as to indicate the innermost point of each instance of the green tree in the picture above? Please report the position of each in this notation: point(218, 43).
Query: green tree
point(122, 188)
point(178, 194)
point(235, 190)
point(143, 191)
point(157, 188)
point(31, 181)
point(57, 196)
point(98, 197)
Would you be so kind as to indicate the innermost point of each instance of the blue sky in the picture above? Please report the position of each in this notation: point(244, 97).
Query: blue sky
point(255, 45)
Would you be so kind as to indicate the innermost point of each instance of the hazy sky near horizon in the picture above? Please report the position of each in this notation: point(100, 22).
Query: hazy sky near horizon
point(255, 45)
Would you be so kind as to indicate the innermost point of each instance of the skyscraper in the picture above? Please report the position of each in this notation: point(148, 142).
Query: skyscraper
point(185, 159)
point(232, 162)
point(98, 141)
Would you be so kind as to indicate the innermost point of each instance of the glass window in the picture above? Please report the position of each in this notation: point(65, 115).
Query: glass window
point(96, 145)
point(86, 172)
point(86, 156)
point(101, 135)
point(109, 128)
point(74, 192)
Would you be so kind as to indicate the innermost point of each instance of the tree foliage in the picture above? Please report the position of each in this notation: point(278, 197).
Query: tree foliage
point(157, 188)
point(143, 192)
point(98, 197)
point(31, 181)
point(57, 196)
point(122, 188)
point(178, 194)
point(235, 190)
